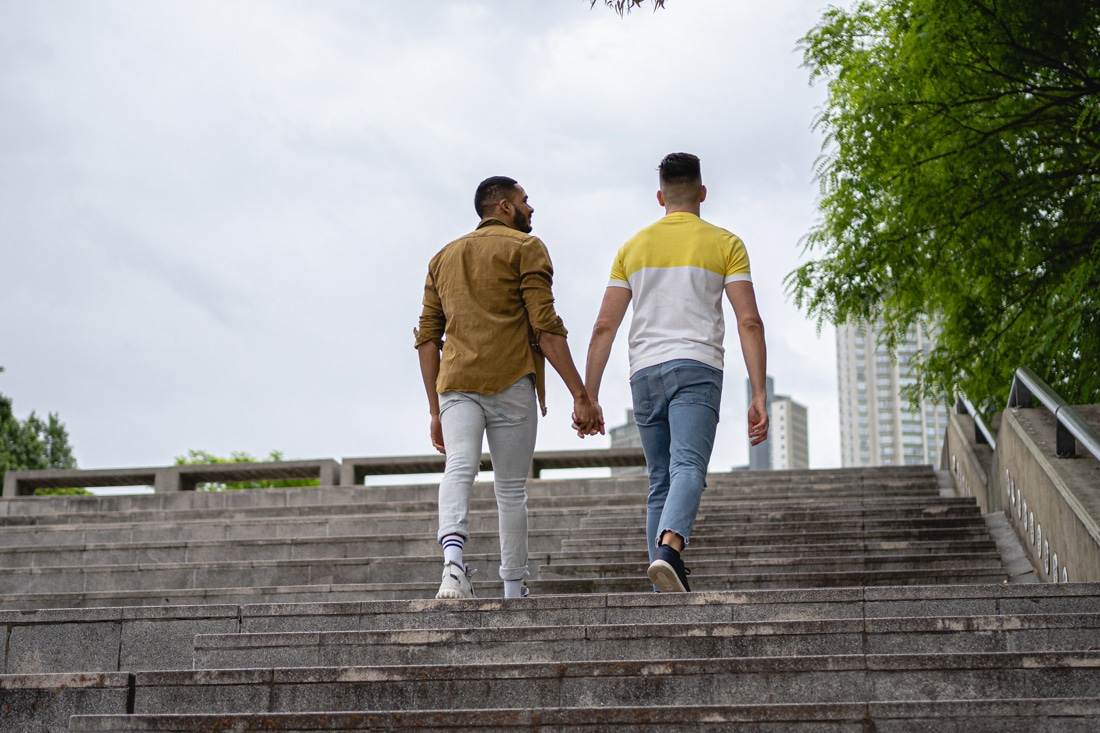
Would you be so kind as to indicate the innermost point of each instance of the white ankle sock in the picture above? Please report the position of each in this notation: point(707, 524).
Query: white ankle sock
point(452, 549)
point(513, 589)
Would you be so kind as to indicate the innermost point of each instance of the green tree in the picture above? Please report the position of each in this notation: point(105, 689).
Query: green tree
point(201, 457)
point(627, 5)
point(32, 444)
point(960, 182)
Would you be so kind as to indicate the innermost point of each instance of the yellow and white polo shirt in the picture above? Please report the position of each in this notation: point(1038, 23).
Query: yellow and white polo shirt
point(677, 270)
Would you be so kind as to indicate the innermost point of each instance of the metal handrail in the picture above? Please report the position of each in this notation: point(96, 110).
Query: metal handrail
point(1025, 385)
point(963, 406)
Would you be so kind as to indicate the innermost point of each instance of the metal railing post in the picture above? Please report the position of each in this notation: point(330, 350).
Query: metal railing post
point(1065, 445)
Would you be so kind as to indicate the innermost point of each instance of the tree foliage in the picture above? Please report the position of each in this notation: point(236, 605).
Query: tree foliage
point(960, 182)
point(32, 444)
point(201, 457)
point(619, 6)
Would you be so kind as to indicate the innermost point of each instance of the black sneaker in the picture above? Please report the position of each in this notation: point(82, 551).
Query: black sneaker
point(667, 571)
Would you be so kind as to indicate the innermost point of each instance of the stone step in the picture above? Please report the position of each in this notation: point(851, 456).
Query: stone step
point(855, 524)
point(1059, 715)
point(352, 523)
point(843, 514)
point(292, 496)
point(235, 574)
point(337, 540)
point(770, 511)
point(267, 548)
point(108, 639)
point(424, 523)
point(718, 563)
point(146, 594)
point(180, 505)
point(375, 545)
point(312, 510)
point(238, 595)
point(342, 579)
point(654, 642)
point(482, 499)
point(765, 580)
point(884, 478)
point(589, 684)
point(597, 548)
point(701, 607)
point(718, 535)
point(375, 569)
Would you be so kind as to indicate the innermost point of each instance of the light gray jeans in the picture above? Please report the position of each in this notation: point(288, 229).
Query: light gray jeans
point(509, 419)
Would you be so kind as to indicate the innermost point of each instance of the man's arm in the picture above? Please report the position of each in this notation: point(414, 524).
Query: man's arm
point(615, 302)
point(750, 329)
point(555, 348)
point(429, 371)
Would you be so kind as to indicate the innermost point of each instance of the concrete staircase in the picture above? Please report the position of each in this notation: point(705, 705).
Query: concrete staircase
point(862, 600)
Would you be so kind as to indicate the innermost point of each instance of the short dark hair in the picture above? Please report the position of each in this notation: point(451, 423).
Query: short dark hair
point(678, 169)
point(490, 191)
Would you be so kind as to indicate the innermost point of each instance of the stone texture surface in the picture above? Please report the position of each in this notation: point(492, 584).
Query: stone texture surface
point(1038, 716)
point(831, 600)
point(44, 703)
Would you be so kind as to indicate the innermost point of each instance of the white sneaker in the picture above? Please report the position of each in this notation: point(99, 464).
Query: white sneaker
point(456, 582)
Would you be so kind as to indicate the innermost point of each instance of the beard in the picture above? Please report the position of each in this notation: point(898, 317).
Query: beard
point(521, 221)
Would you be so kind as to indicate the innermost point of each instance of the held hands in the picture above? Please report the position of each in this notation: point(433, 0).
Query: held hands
point(587, 417)
point(758, 422)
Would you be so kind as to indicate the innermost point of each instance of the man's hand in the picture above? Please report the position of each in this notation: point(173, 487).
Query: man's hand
point(587, 418)
point(758, 422)
point(593, 426)
point(437, 434)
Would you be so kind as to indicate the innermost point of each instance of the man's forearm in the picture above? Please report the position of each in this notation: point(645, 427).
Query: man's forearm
point(429, 372)
point(612, 310)
point(599, 351)
point(755, 351)
point(555, 348)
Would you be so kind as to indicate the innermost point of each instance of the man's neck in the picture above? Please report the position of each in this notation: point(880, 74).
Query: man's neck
point(686, 208)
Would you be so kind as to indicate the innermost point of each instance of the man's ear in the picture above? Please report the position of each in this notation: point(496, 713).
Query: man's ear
point(702, 194)
point(660, 197)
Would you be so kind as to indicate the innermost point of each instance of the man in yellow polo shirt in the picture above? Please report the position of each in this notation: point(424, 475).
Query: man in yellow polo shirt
point(488, 320)
point(675, 272)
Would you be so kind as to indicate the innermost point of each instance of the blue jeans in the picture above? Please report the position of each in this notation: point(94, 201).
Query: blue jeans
point(510, 420)
point(676, 408)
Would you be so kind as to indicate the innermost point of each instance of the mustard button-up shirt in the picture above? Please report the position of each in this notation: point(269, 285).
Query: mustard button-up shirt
point(487, 299)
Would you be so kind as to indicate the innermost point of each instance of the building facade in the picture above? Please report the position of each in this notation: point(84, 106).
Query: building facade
point(878, 426)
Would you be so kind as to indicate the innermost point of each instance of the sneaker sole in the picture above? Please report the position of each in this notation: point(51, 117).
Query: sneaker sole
point(451, 595)
point(664, 577)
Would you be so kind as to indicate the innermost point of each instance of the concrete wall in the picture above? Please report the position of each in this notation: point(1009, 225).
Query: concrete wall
point(1052, 503)
point(970, 463)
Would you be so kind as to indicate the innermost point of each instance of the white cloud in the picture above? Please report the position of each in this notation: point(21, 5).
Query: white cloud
point(215, 217)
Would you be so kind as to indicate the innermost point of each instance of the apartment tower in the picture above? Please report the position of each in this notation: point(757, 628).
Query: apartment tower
point(878, 426)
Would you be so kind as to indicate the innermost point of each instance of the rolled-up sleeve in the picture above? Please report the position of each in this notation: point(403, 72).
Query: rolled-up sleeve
point(536, 281)
point(432, 321)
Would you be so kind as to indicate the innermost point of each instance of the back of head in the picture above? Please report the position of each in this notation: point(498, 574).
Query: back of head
point(681, 178)
point(490, 192)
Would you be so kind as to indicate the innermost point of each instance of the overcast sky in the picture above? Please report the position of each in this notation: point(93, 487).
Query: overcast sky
point(216, 216)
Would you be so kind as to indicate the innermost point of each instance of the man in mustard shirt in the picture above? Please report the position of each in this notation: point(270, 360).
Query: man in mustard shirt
point(675, 273)
point(489, 309)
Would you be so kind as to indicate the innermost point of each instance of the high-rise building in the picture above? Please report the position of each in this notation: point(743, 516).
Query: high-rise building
point(878, 426)
point(788, 443)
